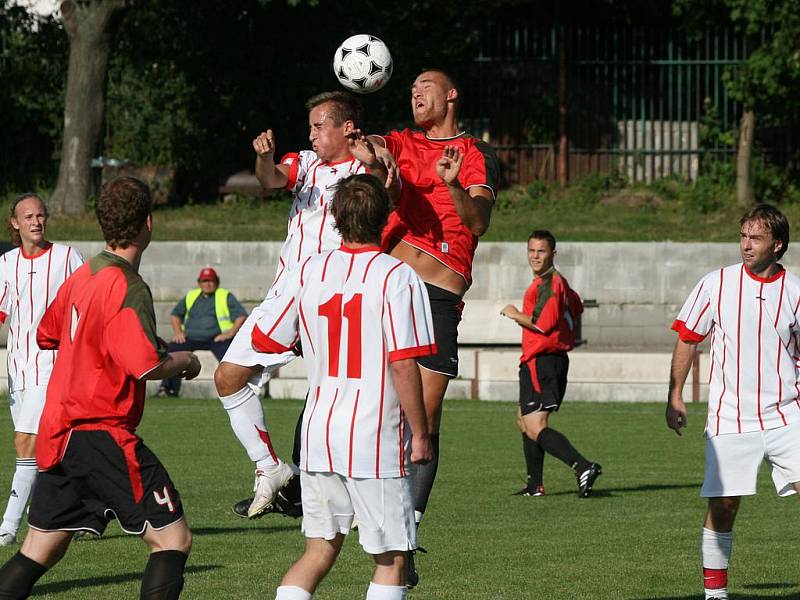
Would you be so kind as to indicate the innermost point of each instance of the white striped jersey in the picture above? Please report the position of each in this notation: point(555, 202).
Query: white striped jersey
point(753, 322)
point(311, 229)
point(29, 285)
point(355, 312)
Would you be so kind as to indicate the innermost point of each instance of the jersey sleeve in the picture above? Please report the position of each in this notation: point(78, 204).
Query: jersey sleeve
point(296, 169)
point(130, 333)
point(394, 142)
point(550, 305)
point(694, 321)
point(480, 168)
point(407, 320)
point(74, 260)
point(276, 331)
point(48, 334)
point(235, 308)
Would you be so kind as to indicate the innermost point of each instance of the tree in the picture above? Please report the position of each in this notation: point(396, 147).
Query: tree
point(90, 26)
point(767, 82)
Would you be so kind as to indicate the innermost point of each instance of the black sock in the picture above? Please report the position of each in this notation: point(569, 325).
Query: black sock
point(424, 476)
point(555, 443)
point(163, 575)
point(18, 576)
point(297, 438)
point(534, 461)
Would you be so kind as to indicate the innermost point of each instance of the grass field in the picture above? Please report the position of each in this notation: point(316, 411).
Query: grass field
point(636, 538)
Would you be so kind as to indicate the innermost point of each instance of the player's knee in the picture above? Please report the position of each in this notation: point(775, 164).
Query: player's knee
point(230, 378)
point(722, 513)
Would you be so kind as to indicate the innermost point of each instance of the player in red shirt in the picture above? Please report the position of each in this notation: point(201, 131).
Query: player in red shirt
point(93, 466)
point(448, 183)
point(547, 318)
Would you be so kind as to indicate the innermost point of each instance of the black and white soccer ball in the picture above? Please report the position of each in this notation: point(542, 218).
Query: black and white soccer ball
point(363, 63)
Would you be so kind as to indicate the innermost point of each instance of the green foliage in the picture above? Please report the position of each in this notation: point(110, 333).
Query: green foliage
point(33, 54)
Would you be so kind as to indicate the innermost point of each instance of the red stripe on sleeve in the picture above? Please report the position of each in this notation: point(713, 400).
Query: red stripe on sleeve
point(264, 343)
point(412, 352)
point(686, 334)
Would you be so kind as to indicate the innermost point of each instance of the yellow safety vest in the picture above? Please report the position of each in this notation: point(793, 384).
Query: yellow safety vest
point(220, 306)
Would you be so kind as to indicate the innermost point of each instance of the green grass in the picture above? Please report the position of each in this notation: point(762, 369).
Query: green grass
point(636, 538)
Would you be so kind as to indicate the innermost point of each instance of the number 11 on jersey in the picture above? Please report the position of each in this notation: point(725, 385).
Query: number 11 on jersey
point(334, 312)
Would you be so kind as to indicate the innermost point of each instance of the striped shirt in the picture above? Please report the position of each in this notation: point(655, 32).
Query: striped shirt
point(28, 286)
point(355, 312)
point(754, 379)
point(311, 229)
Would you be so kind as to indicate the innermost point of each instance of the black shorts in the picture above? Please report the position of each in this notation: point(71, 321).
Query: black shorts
point(100, 479)
point(542, 383)
point(446, 312)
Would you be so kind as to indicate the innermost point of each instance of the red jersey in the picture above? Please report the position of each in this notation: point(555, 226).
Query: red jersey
point(425, 216)
point(553, 307)
point(102, 323)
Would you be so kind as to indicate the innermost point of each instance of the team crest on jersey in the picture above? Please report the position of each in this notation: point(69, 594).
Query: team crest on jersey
point(73, 325)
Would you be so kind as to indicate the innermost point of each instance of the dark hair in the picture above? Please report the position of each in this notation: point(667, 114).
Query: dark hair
point(360, 208)
point(122, 209)
point(543, 234)
point(12, 213)
point(346, 107)
point(774, 220)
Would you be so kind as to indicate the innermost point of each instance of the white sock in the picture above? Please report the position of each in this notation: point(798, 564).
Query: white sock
point(716, 552)
point(21, 486)
point(291, 592)
point(247, 421)
point(376, 591)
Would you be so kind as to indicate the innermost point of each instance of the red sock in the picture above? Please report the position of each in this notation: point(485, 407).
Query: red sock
point(715, 579)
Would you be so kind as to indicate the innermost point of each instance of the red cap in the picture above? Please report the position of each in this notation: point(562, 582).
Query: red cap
point(208, 273)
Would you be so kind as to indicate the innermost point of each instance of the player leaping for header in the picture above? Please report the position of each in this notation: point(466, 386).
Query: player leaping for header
point(338, 151)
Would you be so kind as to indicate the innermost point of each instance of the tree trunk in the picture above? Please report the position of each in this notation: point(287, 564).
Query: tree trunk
point(563, 140)
point(744, 158)
point(90, 27)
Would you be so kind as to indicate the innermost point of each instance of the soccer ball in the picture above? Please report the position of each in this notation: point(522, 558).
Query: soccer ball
point(362, 63)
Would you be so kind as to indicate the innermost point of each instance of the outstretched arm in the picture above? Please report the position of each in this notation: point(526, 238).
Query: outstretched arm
point(408, 383)
point(269, 175)
point(474, 206)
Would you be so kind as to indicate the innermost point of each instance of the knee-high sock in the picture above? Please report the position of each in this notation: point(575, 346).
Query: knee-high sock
point(163, 575)
point(534, 461)
point(423, 478)
point(247, 421)
point(555, 443)
point(21, 486)
point(715, 548)
point(291, 592)
point(18, 576)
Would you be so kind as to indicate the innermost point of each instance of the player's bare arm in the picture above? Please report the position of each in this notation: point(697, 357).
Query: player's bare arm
point(183, 364)
point(520, 318)
point(682, 357)
point(269, 175)
point(408, 383)
point(392, 183)
point(178, 335)
point(474, 206)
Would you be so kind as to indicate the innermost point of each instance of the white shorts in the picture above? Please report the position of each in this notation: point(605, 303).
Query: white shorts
point(733, 460)
point(382, 508)
point(26, 408)
point(241, 352)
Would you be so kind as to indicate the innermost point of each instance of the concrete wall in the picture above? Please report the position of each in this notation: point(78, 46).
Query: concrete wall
point(639, 286)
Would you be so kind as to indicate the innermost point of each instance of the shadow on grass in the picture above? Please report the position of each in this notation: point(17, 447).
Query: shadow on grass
point(260, 530)
point(72, 584)
point(604, 492)
point(777, 585)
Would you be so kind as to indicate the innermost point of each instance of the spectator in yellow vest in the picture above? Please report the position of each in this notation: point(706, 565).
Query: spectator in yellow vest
point(207, 318)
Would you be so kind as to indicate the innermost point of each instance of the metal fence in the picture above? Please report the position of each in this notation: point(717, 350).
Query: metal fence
point(642, 100)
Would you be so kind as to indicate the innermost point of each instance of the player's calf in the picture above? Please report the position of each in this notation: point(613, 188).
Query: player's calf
point(163, 575)
point(18, 576)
